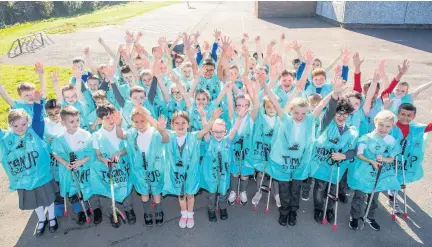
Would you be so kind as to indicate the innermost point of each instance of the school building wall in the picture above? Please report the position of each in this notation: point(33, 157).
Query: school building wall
point(376, 13)
point(349, 13)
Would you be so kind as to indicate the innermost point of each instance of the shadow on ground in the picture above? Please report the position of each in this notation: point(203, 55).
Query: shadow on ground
point(243, 228)
point(414, 38)
point(299, 22)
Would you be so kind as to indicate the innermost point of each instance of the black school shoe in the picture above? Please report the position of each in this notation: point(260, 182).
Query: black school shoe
point(318, 216)
point(114, 224)
point(53, 228)
point(330, 215)
point(372, 223)
point(342, 197)
point(212, 216)
point(40, 232)
point(130, 216)
point(148, 219)
point(97, 216)
point(292, 218)
point(223, 214)
point(353, 224)
point(81, 218)
point(159, 218)
point(283, 220)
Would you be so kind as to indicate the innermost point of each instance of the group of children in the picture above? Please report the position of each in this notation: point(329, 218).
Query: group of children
point(185, 118)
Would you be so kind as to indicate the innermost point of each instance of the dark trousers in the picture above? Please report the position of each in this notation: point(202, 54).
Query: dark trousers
point(343, 183)
point(306, 185)
point(289, 194)
point(320, 194)
point(358, 205)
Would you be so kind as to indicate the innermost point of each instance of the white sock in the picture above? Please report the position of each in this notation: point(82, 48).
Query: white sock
point(51, 214)
point(190, 214)
point(41, 215)
point(184, 214)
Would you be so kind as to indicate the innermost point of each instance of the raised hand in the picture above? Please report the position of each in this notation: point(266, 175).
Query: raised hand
point(39, 69)
point(257, 38)
point(129, 38)
point(245, 36)
point(345, 56)
point(309, 57)
point(356, 60)
point(404, 67)
point(217, 113)
point(202, 112)
point(295, 46)
point(386, 101)
point(217, 34)
point(226, 42)
point(338, 84)
point(117, 118)
point(187, 41)
point(161, 124)
point(138, 37)
point(282, 36)
point(54, 77)
point(109, 73)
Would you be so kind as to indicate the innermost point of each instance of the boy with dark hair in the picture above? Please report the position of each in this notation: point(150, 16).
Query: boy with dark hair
point(414, 135)
point(74, 142)
point(336, 143)
point(109, 150)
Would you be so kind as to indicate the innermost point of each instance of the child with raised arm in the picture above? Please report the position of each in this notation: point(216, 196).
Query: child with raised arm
point(336, 143)
point(291, 150)
point(25, 159)
point(209, 80)
point(179, 100)
point(74, 143)
point(72, 95)
point(319, 82)
point(377, 102)
point(373, 169)
point(145, 148)
point(85, 76)
point(240, 167)
point(400, 95)
point(110, 149)
point(266, 126)
point(25, 92)
point(215, 174)
point(182, 173)
point(138, 96)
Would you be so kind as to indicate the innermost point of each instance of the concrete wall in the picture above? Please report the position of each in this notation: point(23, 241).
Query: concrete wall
point(376, 13)
point(273, 9)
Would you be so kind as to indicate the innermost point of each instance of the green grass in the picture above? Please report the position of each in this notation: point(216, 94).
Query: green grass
point(105, 16)
point(12, 75)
